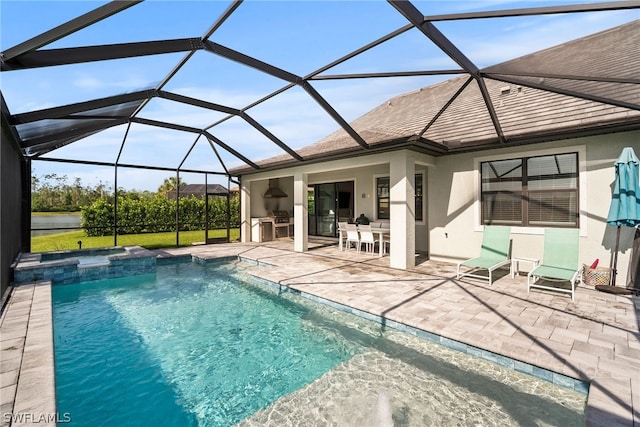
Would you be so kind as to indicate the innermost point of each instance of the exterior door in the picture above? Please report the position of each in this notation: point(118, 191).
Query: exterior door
point(217, 220)
point(327, 204)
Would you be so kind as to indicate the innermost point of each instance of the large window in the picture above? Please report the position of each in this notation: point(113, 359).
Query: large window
point(383, 200)
point(539, 191)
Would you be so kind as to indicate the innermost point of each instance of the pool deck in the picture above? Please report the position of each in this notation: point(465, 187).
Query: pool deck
point(595, 338)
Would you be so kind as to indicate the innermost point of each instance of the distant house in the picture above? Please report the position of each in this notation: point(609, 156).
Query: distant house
point(198, 190)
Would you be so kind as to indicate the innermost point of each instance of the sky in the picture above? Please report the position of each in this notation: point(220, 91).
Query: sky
point(297, 36)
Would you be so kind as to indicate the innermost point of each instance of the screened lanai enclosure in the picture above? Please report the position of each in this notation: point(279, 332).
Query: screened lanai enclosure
point(133, 92)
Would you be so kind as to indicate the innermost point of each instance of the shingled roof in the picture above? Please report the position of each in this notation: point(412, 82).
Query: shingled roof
point(198, 190)
point(551, 94)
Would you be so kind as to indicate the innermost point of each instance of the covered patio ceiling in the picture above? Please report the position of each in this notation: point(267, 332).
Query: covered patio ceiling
point(439, 54)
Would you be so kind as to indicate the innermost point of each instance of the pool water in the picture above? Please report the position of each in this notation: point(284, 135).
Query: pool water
point(193, 345)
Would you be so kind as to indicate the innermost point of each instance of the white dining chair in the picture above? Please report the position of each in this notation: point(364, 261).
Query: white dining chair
point(386, 243)
point(367, 238)
point(353, 237)
point(342, 234)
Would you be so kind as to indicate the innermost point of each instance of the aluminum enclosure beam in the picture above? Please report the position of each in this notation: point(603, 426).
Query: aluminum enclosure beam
point(73, 133)
point(561, 91)
point(198, 103)
point(249, 61)
point(271, 136)
point(334, 114)
point(67, 28)
point(551, 10)
point(389, 74)
point(230, 150)
point(78, 55)
point(79, 107)
point(409, 11)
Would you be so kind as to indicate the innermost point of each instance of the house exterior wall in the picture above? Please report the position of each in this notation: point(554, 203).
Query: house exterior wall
point(451, 230)
point(453, 209)
point(363, 171)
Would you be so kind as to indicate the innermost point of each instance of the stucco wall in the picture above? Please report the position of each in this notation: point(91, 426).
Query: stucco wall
point(364, 184)
point(454, 224)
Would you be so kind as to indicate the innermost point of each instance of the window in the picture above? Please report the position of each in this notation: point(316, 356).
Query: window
point(383, 200)
point(539, 191)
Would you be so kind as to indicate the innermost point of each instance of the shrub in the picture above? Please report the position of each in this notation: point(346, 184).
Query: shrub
point(158, 214)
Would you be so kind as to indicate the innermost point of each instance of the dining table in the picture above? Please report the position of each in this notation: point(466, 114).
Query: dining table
point(379, 231)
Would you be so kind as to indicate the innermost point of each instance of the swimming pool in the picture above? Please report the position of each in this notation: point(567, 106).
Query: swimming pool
point(194, 346)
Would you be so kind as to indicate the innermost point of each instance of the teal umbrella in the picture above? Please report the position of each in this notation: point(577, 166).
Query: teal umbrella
point(625, 201)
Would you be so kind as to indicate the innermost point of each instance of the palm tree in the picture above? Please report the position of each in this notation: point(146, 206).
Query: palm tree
point(169, 184)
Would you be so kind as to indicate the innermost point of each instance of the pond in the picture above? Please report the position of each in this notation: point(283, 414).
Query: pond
point(60, 222)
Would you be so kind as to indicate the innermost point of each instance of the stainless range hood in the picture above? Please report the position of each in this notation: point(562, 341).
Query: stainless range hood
point(274, 190)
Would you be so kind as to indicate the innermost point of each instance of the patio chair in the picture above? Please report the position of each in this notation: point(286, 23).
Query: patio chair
point(352, 237)
point(342, 234)
point(559, 261)
point(367, 238)
point(494, 253)
point(386, 243)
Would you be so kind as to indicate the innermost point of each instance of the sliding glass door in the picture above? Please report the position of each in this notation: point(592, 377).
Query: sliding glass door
point(327, 204)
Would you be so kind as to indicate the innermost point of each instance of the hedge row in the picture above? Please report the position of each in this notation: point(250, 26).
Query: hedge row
point(156, 215)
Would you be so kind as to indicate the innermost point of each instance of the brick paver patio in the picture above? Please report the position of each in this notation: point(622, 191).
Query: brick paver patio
point(595, 338)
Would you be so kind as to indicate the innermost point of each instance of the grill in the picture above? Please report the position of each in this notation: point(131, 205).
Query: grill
point(279, 217)
point(280, 223)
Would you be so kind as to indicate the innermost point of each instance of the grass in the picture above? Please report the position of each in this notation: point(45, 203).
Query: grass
point(67, 241)
point(54, 213)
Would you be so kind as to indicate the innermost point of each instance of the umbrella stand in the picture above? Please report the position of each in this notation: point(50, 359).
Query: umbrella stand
point(611, 287)
point(614, 259)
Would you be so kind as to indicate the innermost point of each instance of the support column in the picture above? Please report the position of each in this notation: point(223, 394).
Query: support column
point(402, 210)
point(245, 211)
point(25, 208)
point(300, 213)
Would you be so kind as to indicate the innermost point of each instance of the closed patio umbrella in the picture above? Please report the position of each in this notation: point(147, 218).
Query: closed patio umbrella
point(625, 201)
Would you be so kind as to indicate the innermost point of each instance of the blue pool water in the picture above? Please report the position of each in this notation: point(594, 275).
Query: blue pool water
point(192, 344)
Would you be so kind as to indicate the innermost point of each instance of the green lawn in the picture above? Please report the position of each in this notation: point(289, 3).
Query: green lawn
point(53, 213)
point(66, 241)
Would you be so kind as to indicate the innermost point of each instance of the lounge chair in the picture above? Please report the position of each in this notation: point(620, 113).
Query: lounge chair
point(559, 261)
point(494, 253)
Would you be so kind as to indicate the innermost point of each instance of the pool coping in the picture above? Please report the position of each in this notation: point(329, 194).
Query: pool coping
point(28, 371)
point(606, 394)
point(575, 384)
point(27, 346)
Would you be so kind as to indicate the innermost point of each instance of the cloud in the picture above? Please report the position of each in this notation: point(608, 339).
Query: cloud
point(292, 116)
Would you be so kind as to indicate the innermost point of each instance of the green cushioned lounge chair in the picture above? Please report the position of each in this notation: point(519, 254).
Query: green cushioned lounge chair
point(559, 261)
point(494, 253)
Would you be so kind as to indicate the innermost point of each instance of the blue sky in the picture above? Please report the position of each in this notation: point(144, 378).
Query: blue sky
point(298, 36)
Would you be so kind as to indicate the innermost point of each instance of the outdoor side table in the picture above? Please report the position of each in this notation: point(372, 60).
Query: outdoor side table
point(515, 264)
